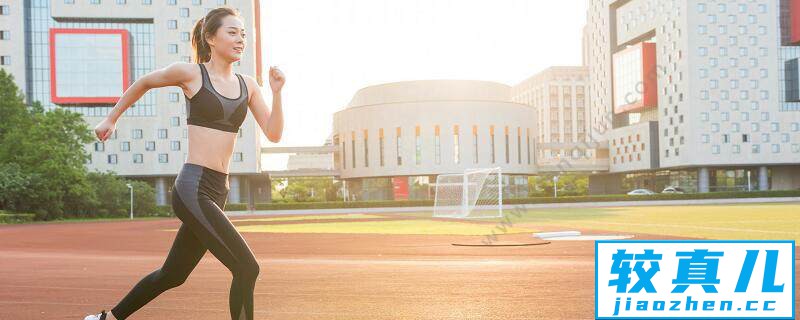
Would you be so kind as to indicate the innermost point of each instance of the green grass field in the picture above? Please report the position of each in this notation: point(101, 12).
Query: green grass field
point(778, 221)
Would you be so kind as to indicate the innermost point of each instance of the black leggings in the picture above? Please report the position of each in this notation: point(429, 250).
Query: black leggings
point(198, 195)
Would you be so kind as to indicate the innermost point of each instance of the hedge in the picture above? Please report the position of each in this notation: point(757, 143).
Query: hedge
point(529, 200)
point(16, 217)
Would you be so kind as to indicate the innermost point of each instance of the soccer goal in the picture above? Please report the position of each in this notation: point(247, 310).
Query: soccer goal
point(476, 193)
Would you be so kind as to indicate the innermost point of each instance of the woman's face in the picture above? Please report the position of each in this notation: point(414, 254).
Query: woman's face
point(229, 40)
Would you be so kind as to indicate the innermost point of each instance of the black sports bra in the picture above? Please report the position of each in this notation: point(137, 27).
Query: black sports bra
point(208, 108)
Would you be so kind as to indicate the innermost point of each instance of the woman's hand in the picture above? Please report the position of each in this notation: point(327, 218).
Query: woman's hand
point(104, 129)
point(276, 79)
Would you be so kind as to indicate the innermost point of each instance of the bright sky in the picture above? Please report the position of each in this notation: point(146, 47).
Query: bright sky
point(330, 49)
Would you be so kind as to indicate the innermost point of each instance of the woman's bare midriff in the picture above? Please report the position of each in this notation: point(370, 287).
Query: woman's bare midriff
point(210, 148)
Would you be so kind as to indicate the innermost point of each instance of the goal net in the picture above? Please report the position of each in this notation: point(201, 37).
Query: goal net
point(476, 193)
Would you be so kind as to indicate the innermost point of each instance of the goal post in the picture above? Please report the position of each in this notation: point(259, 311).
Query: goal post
point(475, 193)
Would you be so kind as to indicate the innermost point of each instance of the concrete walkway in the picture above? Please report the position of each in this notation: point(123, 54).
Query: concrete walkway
point(522, 206)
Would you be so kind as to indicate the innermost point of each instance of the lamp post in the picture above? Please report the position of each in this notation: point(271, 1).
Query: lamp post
point(131, 188)
point(555, 186)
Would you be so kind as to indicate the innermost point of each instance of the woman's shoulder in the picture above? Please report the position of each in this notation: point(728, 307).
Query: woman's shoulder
point(250, 82)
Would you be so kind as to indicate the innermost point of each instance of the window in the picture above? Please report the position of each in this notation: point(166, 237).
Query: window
point(239, 157)
point(519, 145)
point(380, 146)
point(491, 140)
point(147, 2)
point(69, 1)
point(197, 2)
point(506, 136)
point(162, 133)
point(745, 138)
point(366, 148)
point(221, 2)
point(173, 97)
point(94, 1)
point(172, 24)
point(5, 60)
point(417, 146)
point(437, 146)
point(5, 35)
point(121, 1)
point(172, 2)
point(474, 144)
point(528, 141)
point(125, 146)
point(138, 158)
point(163, 157)
point(172, 48)
point(185, 36)
point(150, 146)
point(344, 155)
point(99, 146)
point(755, 148)
point(137, 133)
point(112, 159)
point(175, 146)
point(456, 154)
point(184, 12)
point(397, 150)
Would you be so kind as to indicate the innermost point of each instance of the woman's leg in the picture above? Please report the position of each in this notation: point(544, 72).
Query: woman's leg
point(206, 219)
point(186, 252)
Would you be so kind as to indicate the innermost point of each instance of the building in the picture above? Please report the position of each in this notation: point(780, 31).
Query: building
point(698, 94)
point(559, 96)
point(81, 54)
point(395, 138)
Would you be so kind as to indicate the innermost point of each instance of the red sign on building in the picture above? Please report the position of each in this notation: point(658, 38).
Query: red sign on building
point(400, 188)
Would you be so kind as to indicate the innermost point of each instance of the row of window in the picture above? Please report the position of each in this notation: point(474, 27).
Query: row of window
point(150, 2)
point(100, 146)
point(756, 148)
point(162, 158)
point(437, 146)
point(722, 8)
point(765, 137)
point(162, 133)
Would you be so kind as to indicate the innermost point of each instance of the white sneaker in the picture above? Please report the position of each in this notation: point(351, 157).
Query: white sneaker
point(99, 316)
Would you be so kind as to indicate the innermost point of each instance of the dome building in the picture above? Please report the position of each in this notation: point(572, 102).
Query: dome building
point(394, 139)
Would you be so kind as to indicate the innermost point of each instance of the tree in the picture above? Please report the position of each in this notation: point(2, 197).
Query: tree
point(48, 147)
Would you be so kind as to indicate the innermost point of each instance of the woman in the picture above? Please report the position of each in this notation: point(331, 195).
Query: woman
point(217, 107)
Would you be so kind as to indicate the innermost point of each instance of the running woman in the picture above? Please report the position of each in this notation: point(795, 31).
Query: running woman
point(217, 100)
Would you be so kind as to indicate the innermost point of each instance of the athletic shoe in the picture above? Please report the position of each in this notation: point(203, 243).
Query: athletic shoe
point(99, 316)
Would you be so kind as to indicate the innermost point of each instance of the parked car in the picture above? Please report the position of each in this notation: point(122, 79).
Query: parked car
point(673, 190)
point(638, 192)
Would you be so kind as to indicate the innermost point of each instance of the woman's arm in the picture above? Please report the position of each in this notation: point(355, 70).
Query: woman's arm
point(175, 74)
point(271, 123)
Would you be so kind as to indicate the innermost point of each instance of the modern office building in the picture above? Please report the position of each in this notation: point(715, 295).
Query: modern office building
point(700, 94)
point(81, 55)
point(395, 138)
